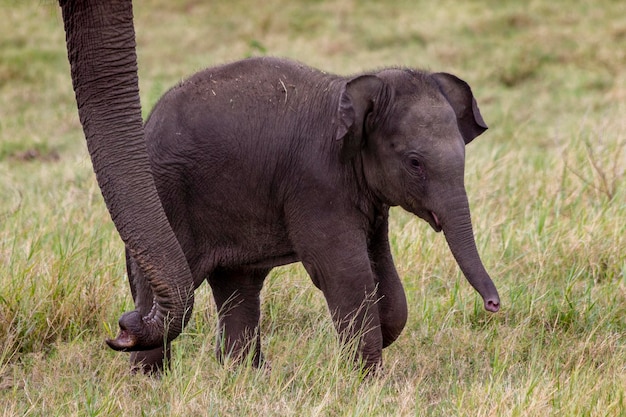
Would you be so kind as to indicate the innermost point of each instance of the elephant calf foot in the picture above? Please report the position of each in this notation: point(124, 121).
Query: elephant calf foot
point(370, 364)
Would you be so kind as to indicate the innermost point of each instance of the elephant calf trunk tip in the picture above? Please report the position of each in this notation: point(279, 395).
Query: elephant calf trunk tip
point(492, 304)
point(491, 298)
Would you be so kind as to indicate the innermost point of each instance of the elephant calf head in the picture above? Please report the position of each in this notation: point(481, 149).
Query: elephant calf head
point(410, 129)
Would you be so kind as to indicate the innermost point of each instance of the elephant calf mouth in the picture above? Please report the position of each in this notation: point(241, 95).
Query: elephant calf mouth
point(434, 221)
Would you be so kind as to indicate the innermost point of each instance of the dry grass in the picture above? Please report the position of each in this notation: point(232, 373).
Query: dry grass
point(546, 182)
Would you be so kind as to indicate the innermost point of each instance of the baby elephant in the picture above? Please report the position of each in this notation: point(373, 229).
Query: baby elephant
point(265, 162)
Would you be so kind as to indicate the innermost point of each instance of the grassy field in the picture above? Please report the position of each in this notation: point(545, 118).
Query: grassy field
point(547, 185)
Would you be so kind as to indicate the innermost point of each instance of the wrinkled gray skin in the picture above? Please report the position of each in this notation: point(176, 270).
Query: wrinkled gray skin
point(266, 162)
point(101, 50)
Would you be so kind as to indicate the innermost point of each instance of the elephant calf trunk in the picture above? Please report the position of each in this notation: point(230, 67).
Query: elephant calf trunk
point(460, 237)
point(478, 277)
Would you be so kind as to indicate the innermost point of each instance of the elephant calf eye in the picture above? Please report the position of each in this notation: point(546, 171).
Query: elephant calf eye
point(416, 168)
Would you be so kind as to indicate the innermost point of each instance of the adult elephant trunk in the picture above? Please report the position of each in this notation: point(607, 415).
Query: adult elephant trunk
point(101, 49)
point(457, 228)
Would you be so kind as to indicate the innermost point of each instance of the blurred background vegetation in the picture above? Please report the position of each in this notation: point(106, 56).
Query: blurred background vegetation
point(546, 184)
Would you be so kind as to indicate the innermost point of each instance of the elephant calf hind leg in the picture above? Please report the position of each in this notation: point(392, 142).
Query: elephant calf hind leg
point(237, 296)
point(150, 362)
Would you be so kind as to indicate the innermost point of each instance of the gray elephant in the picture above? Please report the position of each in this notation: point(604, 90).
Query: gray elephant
point(265, 162)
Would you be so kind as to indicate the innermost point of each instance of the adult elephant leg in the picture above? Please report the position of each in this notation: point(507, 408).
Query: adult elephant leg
point(390, 296)
point(237, 296)
point(101, 50)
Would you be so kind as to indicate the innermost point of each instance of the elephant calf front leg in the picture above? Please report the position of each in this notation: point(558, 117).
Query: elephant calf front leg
point(356, 319)
point(391, 300)
point(237, 296)
point(347, 281)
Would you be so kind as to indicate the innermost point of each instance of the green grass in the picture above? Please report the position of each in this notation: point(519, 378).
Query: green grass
point(547, 184)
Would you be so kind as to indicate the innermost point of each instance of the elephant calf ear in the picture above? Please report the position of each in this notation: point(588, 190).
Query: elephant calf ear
point(459, 95)
point(357, 101)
